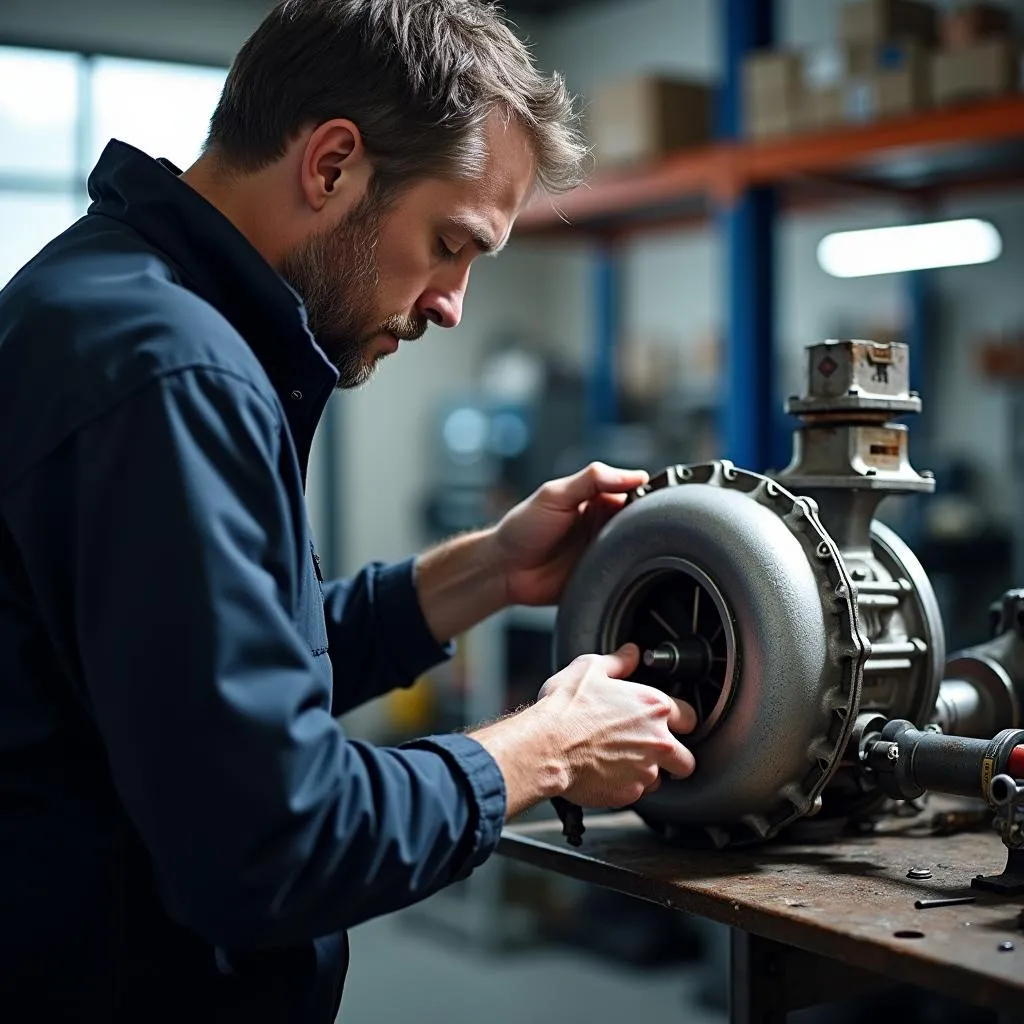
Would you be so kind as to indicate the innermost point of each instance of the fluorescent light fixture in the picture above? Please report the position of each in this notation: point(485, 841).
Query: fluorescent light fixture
point(950, 243)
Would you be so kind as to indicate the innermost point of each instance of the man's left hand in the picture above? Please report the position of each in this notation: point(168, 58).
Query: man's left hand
point(539, 542)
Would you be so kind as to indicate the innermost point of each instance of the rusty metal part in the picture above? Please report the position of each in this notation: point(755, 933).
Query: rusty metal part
point(731, 559)
point(855, 377)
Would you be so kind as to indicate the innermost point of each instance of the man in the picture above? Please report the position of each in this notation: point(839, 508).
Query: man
point(184, 828)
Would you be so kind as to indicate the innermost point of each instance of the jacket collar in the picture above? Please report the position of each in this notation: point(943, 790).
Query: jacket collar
point(219, 264)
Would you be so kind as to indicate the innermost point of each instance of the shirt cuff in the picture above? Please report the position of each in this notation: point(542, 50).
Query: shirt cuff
point(486, 785)
point(398, 605)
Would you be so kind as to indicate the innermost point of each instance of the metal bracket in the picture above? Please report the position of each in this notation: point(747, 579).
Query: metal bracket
point(1006, 794)
point(1010, 882)
point(768, 980)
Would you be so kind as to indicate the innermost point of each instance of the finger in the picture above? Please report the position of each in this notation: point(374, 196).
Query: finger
point(597, 478)
point(600, 510)
point(682, 718)
point(654, 786)
point(678, 762)
point(623, 662)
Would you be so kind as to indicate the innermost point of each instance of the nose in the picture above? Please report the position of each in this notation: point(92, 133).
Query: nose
point(443, 306)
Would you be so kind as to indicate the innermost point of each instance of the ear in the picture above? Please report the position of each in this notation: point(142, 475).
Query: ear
point(334, 160)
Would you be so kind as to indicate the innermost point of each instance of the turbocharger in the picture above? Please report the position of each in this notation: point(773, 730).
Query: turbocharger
point(796, 624)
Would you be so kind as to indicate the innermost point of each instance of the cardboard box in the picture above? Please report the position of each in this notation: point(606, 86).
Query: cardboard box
point(823, 108)
point(875, 21)
point(862, 82)
point(973, 23)
point(902, 91)
point(903, 77)
point(644, 117)
point(772, 93)
point(771, 75)
point(833, 66)
point(890, 93)
point(830, 65)
point(776, 123)
point(985, 69)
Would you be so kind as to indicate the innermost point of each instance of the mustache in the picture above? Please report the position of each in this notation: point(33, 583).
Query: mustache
point(404, 328)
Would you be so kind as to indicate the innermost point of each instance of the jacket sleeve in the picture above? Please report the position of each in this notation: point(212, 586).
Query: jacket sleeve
point(178, 568)
point(378, 637)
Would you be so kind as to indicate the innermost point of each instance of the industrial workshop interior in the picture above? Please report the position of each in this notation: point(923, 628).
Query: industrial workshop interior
point(790, 290)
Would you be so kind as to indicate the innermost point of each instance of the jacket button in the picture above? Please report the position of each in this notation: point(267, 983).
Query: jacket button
point(296, 396)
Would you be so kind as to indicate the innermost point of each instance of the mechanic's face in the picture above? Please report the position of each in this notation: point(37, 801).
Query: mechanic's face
point(382, 273)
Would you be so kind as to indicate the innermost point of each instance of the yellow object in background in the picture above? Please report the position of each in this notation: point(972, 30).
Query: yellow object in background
point(411, 710)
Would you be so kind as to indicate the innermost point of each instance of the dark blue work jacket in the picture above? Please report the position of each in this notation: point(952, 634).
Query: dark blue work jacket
point(185, 832)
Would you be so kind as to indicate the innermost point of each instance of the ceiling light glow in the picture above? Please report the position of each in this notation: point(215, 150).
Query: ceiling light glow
point(895, 250)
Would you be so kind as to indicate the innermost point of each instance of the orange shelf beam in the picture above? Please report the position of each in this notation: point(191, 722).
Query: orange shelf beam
point(772, 162)
point(689, 173)
point(720, 172)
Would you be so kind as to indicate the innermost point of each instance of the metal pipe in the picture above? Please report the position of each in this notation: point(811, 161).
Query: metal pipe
point(907, 762)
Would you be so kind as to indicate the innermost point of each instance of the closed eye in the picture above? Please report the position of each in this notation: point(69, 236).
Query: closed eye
point(445, 252)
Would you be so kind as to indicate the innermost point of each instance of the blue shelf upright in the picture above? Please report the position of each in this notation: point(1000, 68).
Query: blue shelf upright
point(752, 427)
point(602, 386)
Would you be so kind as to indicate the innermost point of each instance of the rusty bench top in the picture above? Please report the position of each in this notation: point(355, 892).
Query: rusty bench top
point(848, 899)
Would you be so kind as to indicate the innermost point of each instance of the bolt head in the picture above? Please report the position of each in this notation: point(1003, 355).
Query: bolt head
point(893, 753)
point(919, 873)
point(1006, 947)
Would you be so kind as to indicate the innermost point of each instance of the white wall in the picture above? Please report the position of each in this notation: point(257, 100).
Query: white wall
point(382, 427)
point(619, 38)
point(196, 31)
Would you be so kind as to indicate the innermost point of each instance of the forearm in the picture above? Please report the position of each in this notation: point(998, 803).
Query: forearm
point(525, 747)
point(459, 584)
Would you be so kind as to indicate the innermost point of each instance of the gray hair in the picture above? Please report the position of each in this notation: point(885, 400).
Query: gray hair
point(418, 77)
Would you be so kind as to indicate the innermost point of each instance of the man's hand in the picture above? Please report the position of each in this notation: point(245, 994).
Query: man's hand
point(591, 737)
point(538, 543)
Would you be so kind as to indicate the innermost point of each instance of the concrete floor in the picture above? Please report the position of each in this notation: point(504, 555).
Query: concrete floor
point(402, 971)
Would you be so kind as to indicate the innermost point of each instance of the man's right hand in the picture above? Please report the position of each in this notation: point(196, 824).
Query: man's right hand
point(591, 737)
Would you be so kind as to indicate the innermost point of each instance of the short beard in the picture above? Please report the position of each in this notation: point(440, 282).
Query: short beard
point(335, 273)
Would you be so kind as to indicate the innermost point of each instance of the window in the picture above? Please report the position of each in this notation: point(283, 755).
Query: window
point(28, 220)
point(162, 109)
point(38, 113)
point(58, 111)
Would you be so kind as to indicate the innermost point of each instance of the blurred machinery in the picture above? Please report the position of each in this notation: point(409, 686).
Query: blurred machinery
point(526, 421)
point(804, 632)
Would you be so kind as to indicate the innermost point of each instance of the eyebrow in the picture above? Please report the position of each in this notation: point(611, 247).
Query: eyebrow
point(480, 236)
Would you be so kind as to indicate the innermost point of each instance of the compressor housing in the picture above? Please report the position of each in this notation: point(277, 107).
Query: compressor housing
point(781, 609)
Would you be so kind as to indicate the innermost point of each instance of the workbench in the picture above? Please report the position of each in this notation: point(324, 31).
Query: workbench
point(817, 922)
